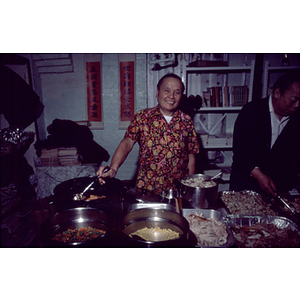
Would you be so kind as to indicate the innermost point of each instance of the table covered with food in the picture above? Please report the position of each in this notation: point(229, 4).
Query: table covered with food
point(194, 215)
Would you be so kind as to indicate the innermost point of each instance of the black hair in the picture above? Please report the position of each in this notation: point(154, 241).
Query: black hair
point(286, 80)
point(169, 75)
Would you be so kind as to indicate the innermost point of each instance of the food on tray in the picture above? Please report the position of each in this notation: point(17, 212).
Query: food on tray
point(155, 234)
point(209, 232)
point(246, 203)
point(92, 197)
point(78, 235)
point(262, 235)
point(198, 182)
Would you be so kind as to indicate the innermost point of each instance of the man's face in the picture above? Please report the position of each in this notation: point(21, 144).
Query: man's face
point(169, 95)
point(288, 103)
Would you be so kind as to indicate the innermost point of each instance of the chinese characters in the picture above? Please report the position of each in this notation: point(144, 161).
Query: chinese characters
point(93, 91)
point(127, 90)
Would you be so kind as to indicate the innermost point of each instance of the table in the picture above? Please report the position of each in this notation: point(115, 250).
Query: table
point(49, 177)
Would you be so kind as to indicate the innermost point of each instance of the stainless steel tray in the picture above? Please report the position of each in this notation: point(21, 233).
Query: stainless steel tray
point(246, 202)
point(216, 215)
point(248, 220)
point(207, 213)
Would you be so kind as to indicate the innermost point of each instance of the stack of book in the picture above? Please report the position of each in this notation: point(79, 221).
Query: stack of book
point(226, 96)
point(60, 157)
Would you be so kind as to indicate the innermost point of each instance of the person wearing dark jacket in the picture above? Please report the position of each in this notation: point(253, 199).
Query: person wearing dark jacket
point(266, 140)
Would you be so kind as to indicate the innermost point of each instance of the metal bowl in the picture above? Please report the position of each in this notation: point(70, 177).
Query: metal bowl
point(75, 218)
point(141, 218)
point(199, 197)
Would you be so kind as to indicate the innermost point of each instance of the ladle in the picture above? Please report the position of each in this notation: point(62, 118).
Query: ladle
point(78, 197)
point(215, 176)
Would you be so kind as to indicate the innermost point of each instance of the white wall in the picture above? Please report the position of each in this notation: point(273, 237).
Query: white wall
point(111, 136)
point(64, 97)
point(64, 94)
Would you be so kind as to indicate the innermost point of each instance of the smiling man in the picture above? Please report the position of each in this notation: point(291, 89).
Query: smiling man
point(168, 94)
point(167, 139)
point(266, 140)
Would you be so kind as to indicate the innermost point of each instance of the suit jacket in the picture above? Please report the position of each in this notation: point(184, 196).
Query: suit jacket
point(251, 148)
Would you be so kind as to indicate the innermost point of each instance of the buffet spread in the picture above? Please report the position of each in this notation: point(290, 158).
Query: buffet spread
point(114, 217)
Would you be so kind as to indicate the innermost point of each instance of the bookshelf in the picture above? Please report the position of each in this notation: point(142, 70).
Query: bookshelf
point(268, 69)
point(223, 111)
point(241, 70)
point(216, 118)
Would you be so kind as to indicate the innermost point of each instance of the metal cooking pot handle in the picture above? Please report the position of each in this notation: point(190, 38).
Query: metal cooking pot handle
point(217, 176)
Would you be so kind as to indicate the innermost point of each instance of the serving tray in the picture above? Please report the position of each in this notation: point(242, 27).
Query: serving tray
point(249, 220)
point(216, 215)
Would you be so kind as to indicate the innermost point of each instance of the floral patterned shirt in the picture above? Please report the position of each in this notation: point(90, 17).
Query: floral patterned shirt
point(164, 148)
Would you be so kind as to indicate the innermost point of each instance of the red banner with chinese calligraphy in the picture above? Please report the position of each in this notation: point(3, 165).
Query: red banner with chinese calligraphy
point(93, 80)
point(126, 90)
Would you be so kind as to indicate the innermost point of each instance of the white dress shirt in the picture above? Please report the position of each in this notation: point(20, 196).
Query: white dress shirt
point(276, 124)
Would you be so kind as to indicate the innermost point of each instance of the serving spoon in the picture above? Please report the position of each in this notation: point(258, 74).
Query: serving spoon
point(214, 177)
point(78, 197)
point(284, 202)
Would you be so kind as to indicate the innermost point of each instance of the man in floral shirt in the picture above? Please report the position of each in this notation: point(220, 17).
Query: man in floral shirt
point(167, 139)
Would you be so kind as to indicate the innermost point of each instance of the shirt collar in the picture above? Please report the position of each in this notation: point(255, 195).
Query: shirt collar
point(156, 111)
point(271, 108)
point(272, 112)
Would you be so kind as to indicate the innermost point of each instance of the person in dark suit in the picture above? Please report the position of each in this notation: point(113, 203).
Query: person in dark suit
point(266, 140)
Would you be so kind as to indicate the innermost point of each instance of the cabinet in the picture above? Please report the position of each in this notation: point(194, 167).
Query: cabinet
point(215, 124)
point(272, 70)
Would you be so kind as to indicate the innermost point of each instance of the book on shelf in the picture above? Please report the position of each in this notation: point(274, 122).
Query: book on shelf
point(206, 97)
point(225, 96)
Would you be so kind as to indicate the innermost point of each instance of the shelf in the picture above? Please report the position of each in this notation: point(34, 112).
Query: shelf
point(225, 71)
point(219, 109)
point(219, 143)
point(282, 68)
point(274, 69)
point(219, 69)
point(210, 142)
point(220, 146)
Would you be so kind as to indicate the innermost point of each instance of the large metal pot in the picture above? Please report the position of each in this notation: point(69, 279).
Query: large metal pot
point(199, 197)
point(141, 218)
point(75, 218)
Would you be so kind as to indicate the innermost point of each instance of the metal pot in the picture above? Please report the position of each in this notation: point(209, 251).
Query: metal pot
point(75, 218)
point(199, 197)
point(164, 206)
point(141, 218)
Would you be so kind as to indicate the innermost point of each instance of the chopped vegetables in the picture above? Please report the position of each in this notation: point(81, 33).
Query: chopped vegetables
point(78, 235)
